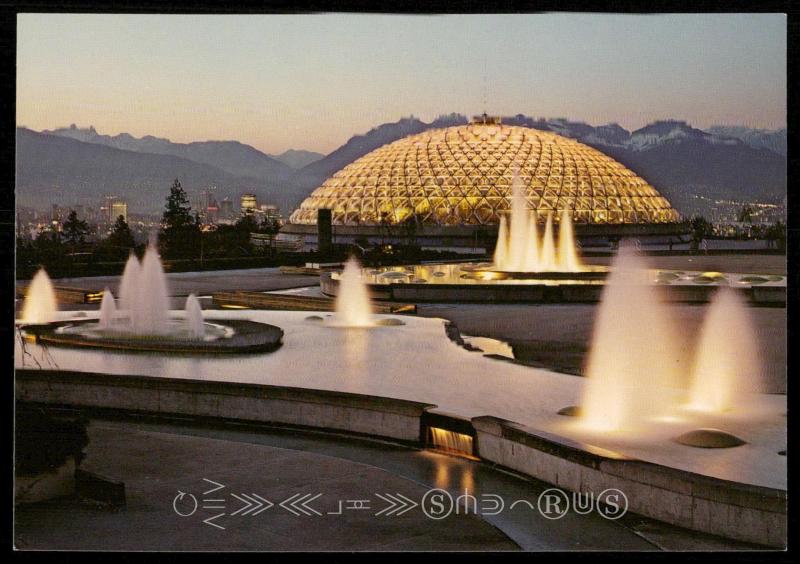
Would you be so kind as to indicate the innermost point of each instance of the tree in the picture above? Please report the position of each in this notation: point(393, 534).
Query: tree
point(701, 228)
point(177, 214)
point(776, 235)
point(269, 226)
point(74, 229)
point(247, 223)
point(121, 235)
point(180, 231)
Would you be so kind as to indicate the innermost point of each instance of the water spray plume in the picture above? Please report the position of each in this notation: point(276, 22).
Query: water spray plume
point(727, 362)
point(353, 308)
point(40, 304)
point(634, 355)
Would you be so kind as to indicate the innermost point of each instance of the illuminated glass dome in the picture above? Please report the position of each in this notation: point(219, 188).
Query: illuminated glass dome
point(462, 176)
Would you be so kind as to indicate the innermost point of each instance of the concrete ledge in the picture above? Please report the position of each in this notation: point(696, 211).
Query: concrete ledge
point(369, 415)
point(738, 511)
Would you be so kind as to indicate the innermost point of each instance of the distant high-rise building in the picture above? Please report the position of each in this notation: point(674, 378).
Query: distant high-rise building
point(106, 209)
point(209, 209)
point(118, 208)
point(212, 212)
point(248, 203)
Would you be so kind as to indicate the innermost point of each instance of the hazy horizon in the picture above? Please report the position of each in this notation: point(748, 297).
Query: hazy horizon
point(313, 81)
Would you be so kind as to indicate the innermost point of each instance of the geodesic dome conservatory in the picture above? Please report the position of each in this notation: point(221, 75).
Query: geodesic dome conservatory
point(461, 176)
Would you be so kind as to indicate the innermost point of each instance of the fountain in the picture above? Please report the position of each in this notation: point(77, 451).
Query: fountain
point(727, 360)
point(40, 300)
point(353, 307)
point(108, 310)
point(128, 286)
point(518, 248)
point(548, 261)
point(532, 257)
point(567, 254)
point(194, 318)
point(634, 354)
point(152, 298)
point(636, 363)
point(500, 250)
point(143, 322)
point(518, 234)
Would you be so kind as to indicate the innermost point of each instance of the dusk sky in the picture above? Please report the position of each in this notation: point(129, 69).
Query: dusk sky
point(313, 81)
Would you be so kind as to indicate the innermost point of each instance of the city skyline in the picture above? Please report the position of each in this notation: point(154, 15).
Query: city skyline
point(313, 81)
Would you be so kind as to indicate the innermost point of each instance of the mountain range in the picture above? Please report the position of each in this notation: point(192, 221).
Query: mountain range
point(74, 165)
point(231, 156)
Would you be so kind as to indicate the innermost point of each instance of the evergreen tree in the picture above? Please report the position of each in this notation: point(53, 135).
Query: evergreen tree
point(177, 214)
point(74, 229)
point(121, 235)
point(180, 231)
point(701, 229)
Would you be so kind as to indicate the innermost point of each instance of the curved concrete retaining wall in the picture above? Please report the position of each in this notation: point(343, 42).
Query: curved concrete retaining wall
point(370, 415)
point(738, 511)
point(729, 509)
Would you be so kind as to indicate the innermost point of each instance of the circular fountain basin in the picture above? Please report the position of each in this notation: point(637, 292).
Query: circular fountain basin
point(481, 282)
point(223, 336)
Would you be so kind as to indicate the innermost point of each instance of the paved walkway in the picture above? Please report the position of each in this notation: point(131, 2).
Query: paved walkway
point(748, 264)
point(204, 283)
point(155, 459)
point(156, 466)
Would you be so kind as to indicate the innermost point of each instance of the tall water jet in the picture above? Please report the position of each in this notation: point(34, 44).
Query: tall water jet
point(518, 248)
point(532, 256)
point(353, 308)
point(152, 302)
point(727, 362)
point(129, 286)
point(548, 258)
point(634, 358)
point(40, 304)
point(567, 256)
point(108, 310)
point(518, 234)
point(501, 249)
point(194, 318)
